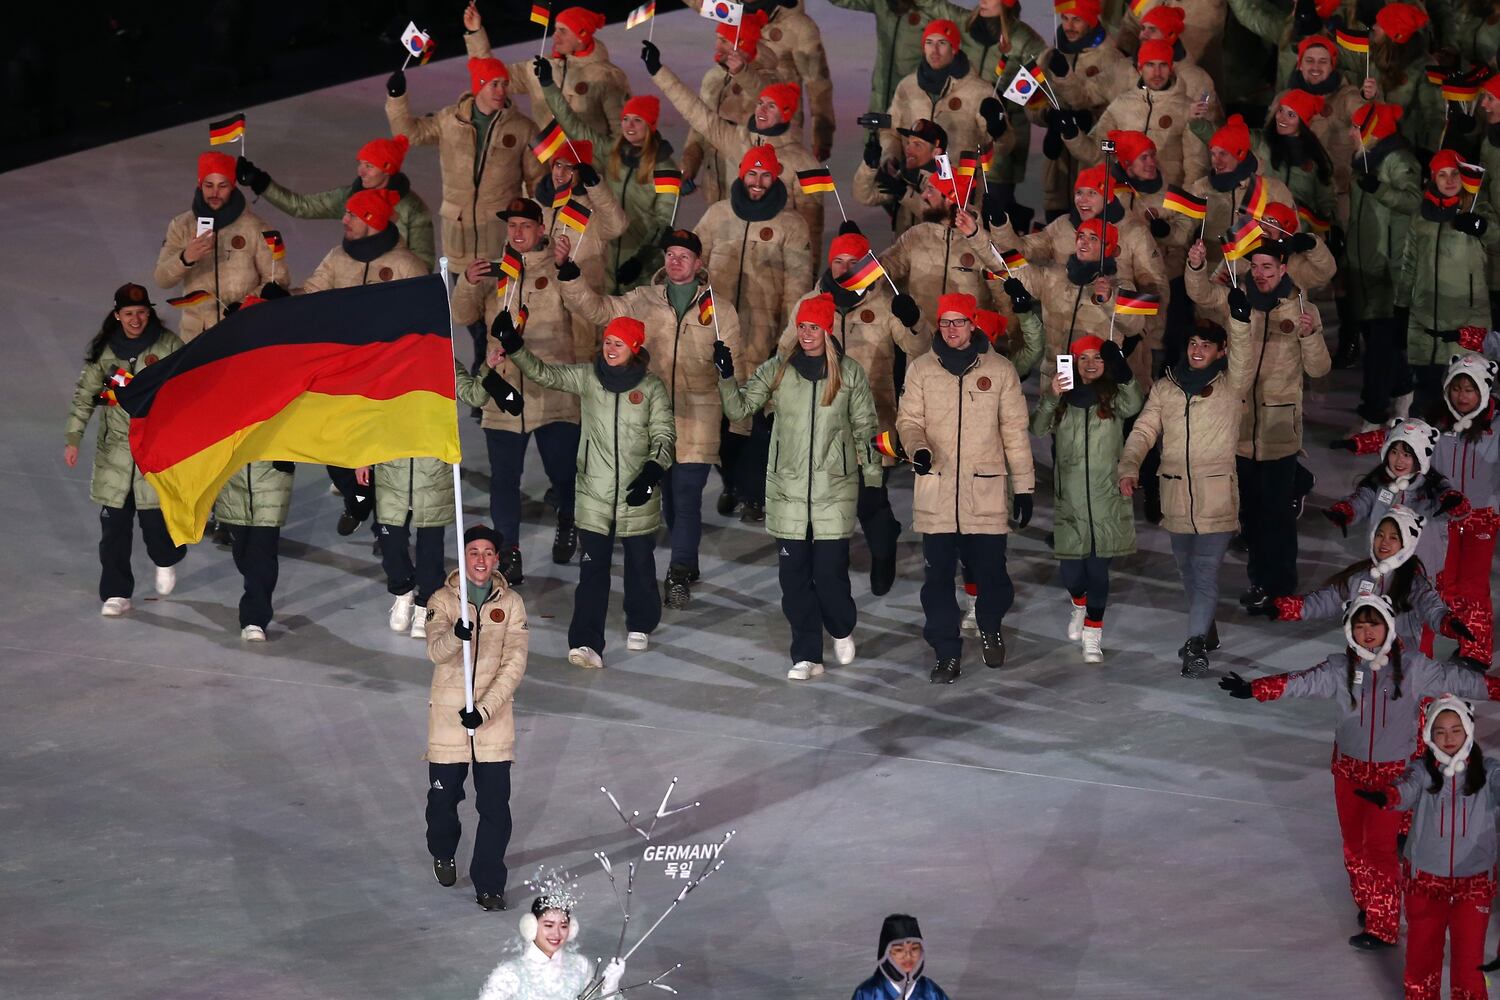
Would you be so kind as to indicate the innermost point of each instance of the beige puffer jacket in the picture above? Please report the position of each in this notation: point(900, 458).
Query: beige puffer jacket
point(1069, 311)
point(240, 264)
point(594, 87)
point(1223, 209)
point(552, 333)
point(734, 139)
point(731, 98)
point(1271, 425)
point(760, 269)
point(499, 647)
point(1200, 492)
point(339, 270)
point(907, 207)
point(1095, 76)
point(1202, 31)
point(473, 191)
point(956, 109)
point(1163, 115)
point(795, 35)
point(681, 352)
point(932, 259)
point(976, 428)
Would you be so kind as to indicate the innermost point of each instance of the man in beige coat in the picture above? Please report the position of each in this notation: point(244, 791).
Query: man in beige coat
point(945, 252)
point(229, 259)
point(684, 320)
point(896, 185)
point(730, 90)
point(485, 736)
point(963, 422)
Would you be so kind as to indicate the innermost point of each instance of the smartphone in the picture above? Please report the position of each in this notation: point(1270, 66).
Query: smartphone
point(205, 225)
point(874, 119)
point(1065, 371)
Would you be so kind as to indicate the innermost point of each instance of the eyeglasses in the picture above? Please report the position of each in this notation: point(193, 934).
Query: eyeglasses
point(953, 324)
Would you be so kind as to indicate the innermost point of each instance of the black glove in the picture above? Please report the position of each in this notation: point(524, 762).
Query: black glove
point(873, 151)
point(1160, 228)
point(395, 84)
point(1335, 241)
point(904, 308)
point(286, 467)
point(470, 720)
point(1052, 144)
point(1468, 222)
point(1369, 181)
point(1115, 365)
point(503, 329)
point(462, 631)
point(271, 291)
point(638, 492)
point(651, 56)
point(1021, 510)
point(871, 499)
point(1455, 625)
point(503, 393)
point(892, 186)
point(1237, 686)
point(247, 174)
point(1403, 318)
point(1379, 798)
point(1265, 609)
point(1491, 965)
point(1342, 444)
point(1450, 501)
point(542, 67)
point(723, 359)
point(1062, 121)
point(587, 175)
point(921, 461)
point(994, 209)
point(1020, 299)
point(1338, 518)
point(993, 113)
point(1057, 64)
point(1450, 336)
point(1239, 305)
point(1131, 343)
point(568, 270)
point(627, 272)
point(1301, 242)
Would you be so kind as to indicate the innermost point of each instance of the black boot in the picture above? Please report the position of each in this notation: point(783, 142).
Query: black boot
point(675, 592)
point(510, 566)
point(444, 870)
point(565, 542)
point(993, 645)
point(727, 503)
point(752, 512)
point(1346, 354)
point(1194, 655)
point(1365, 941)
point(491, 900)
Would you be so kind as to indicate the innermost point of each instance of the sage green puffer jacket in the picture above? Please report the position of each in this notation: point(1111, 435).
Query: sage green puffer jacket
point(1377, 230)
point(423, 486)
point(619, 433)
point(818, 453)
point(115, 474)
point(257, 495)
point(1088, 511)
point(412, 217)
point(1444, 279)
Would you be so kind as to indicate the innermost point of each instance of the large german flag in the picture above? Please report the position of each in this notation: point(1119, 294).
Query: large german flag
point(348, 377)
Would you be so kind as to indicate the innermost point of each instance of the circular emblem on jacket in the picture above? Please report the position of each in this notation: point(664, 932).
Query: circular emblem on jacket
point(386, 274)
point(913, 18)
point(582, 88)
point(867, 315)
point(1287, 326)
point(541, 283)
point(238, 242)
point(150, 359)
point(497, 615)
point(954, 103)
point(636, 397)
point(1166, 121)
point(984, 383)
point(508, 141)
point(775, 34)
point(966, 259)
point(1091, 71)
point(736, 89)
point(1208, 390)
point(766, 232)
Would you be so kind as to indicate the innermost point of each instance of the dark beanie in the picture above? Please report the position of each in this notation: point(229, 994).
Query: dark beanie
point(482, 533)
point(685, 238)
point(897, 927)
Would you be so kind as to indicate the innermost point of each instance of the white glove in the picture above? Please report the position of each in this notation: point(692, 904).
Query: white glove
point(613, 973)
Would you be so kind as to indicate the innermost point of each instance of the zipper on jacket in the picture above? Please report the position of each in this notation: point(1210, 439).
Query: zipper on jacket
point(1150, 106)
point(481, 158)
point(1187, 454)
point(1265, 343)
point(947, 256)
point(249, 495)
point(1437, 243)
point(812, 427)
point(411, 484)
point(739, 278)
point(1453, 822)
point(616, 436)
point(958, 451)
point(1088, 492)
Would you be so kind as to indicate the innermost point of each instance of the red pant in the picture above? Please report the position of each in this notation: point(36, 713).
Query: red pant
point(1464, 583)
point(1370, 856)
point(1453, 908)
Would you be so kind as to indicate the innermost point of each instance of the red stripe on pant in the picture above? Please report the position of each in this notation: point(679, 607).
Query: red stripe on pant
point(1464, 583)
point(1446, 908)
point(1370, 856)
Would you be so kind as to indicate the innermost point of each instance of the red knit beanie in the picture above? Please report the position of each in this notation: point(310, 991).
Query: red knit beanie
point(818, 311)
point(786, 97)
point(1233, 138)
point(762, 157)
point(644, 107)
point(1306, 106)
point(1107, 233)
point(1085, 10)
point(1385, 117)
point(215, 163)
point(385, 154)
point(1168, 20)
point(482, 71)
point(946, 28)
point(576, 151)
point(1446, 159)
point(1092, 178)
point(1318, 42)
point(1400, 21)
point(373, 207)
point(1155, 50)
point(957, 302)
point(849, 244)
point(746, 35)
point(631, 331)
point(991, 324)
point(1282, 216)
point(1130, 144)
point(582, 22)
point(1492, 87)
point(1088, 342)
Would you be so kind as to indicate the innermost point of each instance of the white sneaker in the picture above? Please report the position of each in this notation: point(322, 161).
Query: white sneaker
point(1402, 405)
point(253, 633)
point(166, 579)
point(115, 607)
point(637, 640)
point(843, 650)
point(970, 623)
point(419, 624)
point(583, 656)
point(402, 611)
point(1075, 623)
point(804, 670)
point(1093, 644)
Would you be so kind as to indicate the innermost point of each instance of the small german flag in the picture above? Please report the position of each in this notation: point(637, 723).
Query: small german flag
point(1240, 242)
point(1014, 260)
point(641, 14)
point(548, 141)
point(1037, 73)
point(1179, 201)
point(1357, 42)
point(865, 274)
point(967, 164)
point(1312, 220)
point(541, 15)
point(427, 51)
point(1436, 75)
point(1460, 92)
point(192, 298)
point(668, 182)
point(987, 158)
point(118, 380)
point(560, 197)
point(274, 241)
point(509, 264)
point(1138, 7)
point(816, 181)
point(889, 445)
point(574, 216)
point(706, 308)
point(1257, 197)
point(227, 130)
point(1000, 66)
point(1129, 303)
point(1472, 175)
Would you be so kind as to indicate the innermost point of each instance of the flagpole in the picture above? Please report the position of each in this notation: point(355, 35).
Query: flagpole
point(545, 28)
point(676, 199)
point(1475, 203)
point(715, 314)
point(841, 202)
point(651, 28)
point(458, 522)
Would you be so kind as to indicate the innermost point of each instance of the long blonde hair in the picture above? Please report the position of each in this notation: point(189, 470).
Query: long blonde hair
point(831, 358)
point(645, 171)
